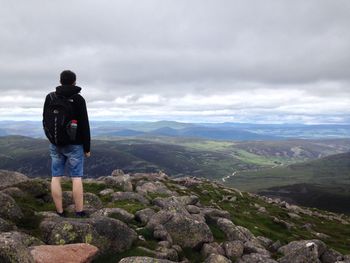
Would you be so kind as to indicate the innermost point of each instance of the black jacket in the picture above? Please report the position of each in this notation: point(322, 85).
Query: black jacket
point(80, 113)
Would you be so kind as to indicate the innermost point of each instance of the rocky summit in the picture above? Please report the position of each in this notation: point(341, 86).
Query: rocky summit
point(150, 217)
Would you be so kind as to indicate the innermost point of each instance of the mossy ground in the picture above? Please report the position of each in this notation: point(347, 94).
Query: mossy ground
point(243, 212)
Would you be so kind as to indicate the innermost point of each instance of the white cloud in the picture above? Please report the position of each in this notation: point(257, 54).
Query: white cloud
point(185, 60)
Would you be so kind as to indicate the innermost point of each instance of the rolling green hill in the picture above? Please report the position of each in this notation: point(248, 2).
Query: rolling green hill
point(322, 183)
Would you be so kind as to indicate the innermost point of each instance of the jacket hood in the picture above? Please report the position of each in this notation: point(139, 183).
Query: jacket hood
point(67, 90)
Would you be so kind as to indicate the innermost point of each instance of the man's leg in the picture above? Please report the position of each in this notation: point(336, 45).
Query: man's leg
point(56, 192)
point(78, 193)
point(58, 161)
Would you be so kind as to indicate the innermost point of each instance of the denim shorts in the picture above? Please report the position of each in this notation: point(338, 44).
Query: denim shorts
point(72, 154)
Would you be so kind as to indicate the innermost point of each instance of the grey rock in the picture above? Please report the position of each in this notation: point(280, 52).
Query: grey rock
point(14, 247)
point(188, 199)
point(117, 213)
point(264, 241)
point(188, 181)
point(144, 215)
point(14, 192)
point(192, 209)
point(254, 246)
point(120, 181)
point(234, 232)
point(119, 234)
point(10, 178)
point(216, 258)
point(287, 225)
point(160, 233)
point(9, 208)
point(211, 248)
point(103, 232)
point(171, 203)
point(159, 218)
point(275, 246)
point(144, 260)
point(91, 200)
point(198, 217)
point(6, 226)
point(233, 248)
point(153, 187)
point(117, 172)
point(256, 258)
point(106, 192)
point(47, 214)
point(213, 214)
point(294, 215)
point(331, 256)
point(182, 227)
point(118, 196)
point(305, 254)
point(164, 243)
point(304, 245)
point(167, 253)
point(37, 188)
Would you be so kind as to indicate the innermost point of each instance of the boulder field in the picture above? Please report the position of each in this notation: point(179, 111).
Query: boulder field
point(150, 217)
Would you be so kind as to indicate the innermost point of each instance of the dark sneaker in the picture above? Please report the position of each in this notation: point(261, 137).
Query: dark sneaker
point(81, 214)
point(63, 214)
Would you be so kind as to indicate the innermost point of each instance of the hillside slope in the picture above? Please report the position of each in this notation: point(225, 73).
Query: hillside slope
point(322, 183)
point(143, 217)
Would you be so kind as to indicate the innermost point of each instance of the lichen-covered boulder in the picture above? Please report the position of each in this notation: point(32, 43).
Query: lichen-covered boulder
point(80, 253)
point(14, 247)
point(9, 208)
point(59, 231)
point(10, 178)
point(37, 188)
point(234, 232)
point(103, 232)
point(187, 232)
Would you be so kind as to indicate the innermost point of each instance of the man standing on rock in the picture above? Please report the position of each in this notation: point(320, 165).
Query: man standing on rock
point(66, 125)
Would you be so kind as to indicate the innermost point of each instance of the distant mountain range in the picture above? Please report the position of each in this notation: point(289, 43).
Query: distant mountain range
point(215, 131)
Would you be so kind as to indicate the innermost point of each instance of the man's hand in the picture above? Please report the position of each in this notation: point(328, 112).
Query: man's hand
point(87, 154)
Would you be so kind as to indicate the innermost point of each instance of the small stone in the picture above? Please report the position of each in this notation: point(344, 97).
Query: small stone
point(233, 248)
point(106, 191)
point(216, 258)
point(192, 209)
point(144, 215)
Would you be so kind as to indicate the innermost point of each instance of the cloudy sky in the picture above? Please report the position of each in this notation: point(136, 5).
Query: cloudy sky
point(186, 60)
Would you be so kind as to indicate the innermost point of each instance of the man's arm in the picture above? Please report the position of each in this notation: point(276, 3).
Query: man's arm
point(85, 127)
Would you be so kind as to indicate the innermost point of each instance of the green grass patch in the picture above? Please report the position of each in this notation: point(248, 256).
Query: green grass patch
point(219, 236)
point(129, 205)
